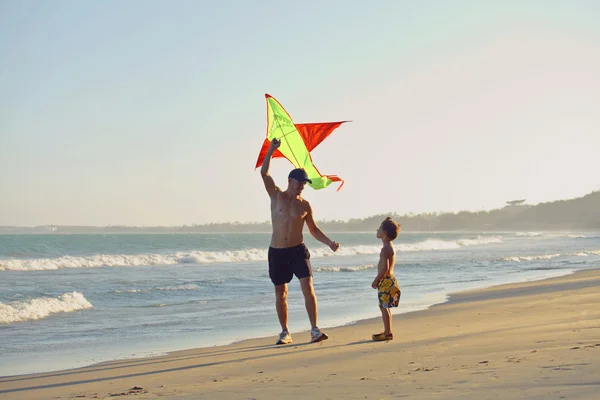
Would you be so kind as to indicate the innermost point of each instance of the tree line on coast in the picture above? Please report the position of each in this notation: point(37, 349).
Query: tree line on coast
point(581, 213)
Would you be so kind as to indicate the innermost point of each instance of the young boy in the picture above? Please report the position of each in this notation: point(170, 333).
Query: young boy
point(388, 289)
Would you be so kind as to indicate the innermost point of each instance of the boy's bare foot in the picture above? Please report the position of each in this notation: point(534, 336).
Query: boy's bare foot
point(380, 337)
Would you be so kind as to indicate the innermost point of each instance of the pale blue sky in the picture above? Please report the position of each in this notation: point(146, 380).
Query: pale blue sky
point(153, 112)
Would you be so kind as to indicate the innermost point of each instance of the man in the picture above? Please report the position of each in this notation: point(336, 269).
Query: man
point(288, 255)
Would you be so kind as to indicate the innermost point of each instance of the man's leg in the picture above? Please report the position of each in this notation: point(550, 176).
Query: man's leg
point(281, 292)
point(310, 300)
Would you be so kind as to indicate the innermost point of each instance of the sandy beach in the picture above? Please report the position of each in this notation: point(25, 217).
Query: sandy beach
point(534, 340)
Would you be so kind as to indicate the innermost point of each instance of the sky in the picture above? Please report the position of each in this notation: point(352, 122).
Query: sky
point(148, 112)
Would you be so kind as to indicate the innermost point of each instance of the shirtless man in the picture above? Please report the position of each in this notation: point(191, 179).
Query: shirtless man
point(288, 255)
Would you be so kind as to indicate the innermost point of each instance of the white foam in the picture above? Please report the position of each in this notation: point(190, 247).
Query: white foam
point(344, 269)
point(529, 234)
point(187, 286)
point(426, 245)
point(531, 258)
point(551, 234)
point(580, 254)
point(434, 244)
point(479, 240)
point(345, 251)
point(128, 291)
point(550, 256)
point(127, 260)
point(207, 257)
point(42, 307)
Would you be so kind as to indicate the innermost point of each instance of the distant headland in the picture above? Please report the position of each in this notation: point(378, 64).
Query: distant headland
point(581, 213)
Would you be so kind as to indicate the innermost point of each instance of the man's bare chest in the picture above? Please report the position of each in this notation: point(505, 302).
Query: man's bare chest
point(283, 207)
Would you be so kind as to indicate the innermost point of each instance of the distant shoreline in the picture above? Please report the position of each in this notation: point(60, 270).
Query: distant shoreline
point(177, 232)
point(579, 214)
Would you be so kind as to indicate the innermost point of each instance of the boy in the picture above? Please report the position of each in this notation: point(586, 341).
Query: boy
point(388, 289)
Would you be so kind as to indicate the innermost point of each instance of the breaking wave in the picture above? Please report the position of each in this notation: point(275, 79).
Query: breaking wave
point(42, 307)
point(207, 257)
point(551, 256)
point(551, 234)
point(186, 286)
point(345, 269)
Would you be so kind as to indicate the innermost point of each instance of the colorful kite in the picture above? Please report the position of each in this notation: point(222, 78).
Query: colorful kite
point(297, 141)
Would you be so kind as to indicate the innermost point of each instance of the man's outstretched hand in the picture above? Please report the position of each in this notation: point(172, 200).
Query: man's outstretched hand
point(275, 143)
point(334, 246)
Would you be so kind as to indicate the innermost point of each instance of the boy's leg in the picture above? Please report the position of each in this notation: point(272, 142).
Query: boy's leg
point(386, 314)
point(281, 292)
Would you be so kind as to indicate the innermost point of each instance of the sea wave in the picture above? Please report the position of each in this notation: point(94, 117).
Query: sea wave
point(529, 234)
point(425, 245)
point(345, 269)
point(132, 260)
point(42, 307)
point(551, 256)
point(208, 257)
point(551, 234)
point(435, 244)
point(185, 286)
point(532, 258)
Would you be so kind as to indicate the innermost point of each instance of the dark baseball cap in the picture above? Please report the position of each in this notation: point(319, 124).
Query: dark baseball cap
point(300, 175)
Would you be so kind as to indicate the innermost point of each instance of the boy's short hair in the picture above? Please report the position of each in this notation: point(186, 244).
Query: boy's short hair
point(390, 228)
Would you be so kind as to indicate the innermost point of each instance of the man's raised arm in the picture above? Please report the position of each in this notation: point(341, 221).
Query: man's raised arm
point(264, 170)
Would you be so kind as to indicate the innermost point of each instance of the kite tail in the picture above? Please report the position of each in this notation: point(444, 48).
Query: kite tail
point(335, 178)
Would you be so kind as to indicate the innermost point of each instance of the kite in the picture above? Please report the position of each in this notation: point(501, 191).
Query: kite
point(297, 141)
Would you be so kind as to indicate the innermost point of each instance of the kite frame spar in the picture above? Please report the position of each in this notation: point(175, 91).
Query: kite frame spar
point(297, 141)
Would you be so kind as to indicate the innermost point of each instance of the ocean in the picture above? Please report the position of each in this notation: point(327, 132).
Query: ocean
point(73, 300)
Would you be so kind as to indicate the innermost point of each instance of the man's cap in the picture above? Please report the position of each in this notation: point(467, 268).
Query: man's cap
point(300, 175)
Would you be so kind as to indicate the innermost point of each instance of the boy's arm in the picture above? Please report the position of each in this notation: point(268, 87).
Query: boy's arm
point(317, 232)
point(264, 171)
point(383, 267)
